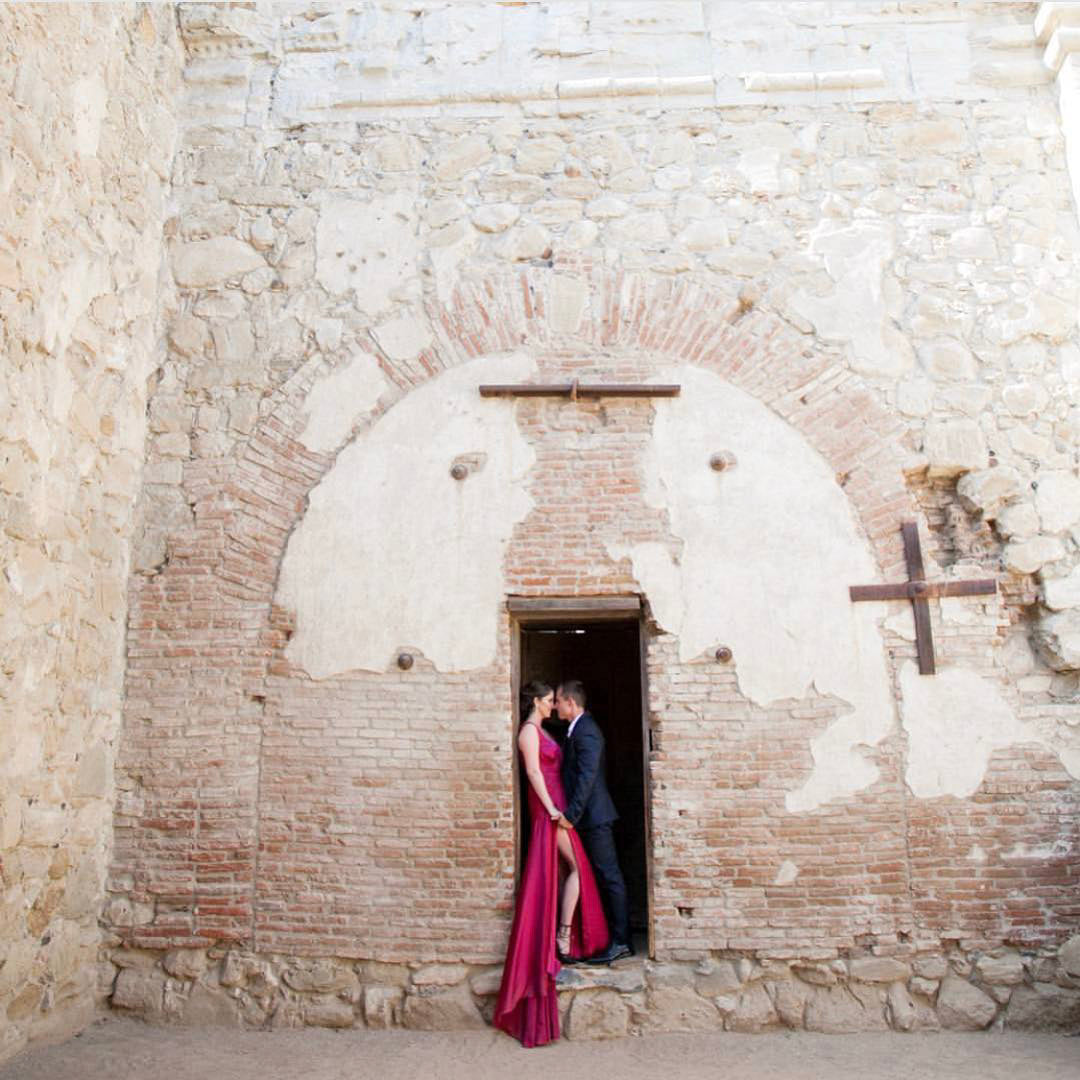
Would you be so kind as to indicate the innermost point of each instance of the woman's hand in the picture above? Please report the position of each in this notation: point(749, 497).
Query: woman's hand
point(554, 814)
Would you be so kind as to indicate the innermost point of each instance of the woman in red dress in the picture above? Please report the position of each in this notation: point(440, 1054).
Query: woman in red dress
point(527, 1007)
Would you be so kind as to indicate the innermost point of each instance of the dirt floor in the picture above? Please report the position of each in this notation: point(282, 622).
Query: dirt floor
point(127, 1050)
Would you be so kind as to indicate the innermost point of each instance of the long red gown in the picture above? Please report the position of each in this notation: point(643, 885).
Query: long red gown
point(527, 1007)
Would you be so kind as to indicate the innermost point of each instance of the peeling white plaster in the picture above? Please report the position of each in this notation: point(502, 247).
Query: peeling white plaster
point(787, 873)
point(370, 248)
point(393, 552)
point(405, 336)
point(769, 549)
point(1039, 852)
point(337, 402)
point(955, 720)
point(856, 311)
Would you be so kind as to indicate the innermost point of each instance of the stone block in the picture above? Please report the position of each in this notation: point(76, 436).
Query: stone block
point(878, 969)
point(1069, 957)
point(539, 155)
point(900, 1009)
point(948, 359)
point(963, 1007)
point(597, 1014)
point(1058, 638)
point(461, 157)
point(1063, 592)
point(1005, 970)
point(753, 1011)
point(328, 1012)
point(439, 975)
point(446, 1010)
point(954, 446)
point(141, 990)
point(988, 490)
point(704, 236)
point(382, 1006)
point(835, 1010)
point(209, 1006)
point(186, 963)
point(1058, 499)
point(495, 217)
point(1043, 1008)
point(626, 978)
point(10, 821)
point(659, 974)
point(1027, 556)
point(815, 974)
point(25, 1002)
point(525, 242)
point(203, 263)
point(1018, 521)
point(789, 1000)
point(319, 977)
point(976, 242)
point(679, 1009)
point(716, 977)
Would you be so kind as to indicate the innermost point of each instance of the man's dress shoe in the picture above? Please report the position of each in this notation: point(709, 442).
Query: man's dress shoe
point(615, 951)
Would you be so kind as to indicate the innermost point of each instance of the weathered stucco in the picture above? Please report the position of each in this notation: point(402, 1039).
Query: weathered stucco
point(955, 722)
point(767, 545)
point(389, 511)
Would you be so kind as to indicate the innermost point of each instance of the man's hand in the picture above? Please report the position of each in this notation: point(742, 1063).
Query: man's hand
point(564, 824)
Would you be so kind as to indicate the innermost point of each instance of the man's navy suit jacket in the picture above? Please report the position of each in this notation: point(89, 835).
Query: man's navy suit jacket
point(588, 802)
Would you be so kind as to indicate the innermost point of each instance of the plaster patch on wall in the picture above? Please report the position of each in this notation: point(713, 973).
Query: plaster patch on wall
point(955, 721)
point(769, 548)
point(336, 402)
point(369, 248)
point(787, 873)
point(416, 555)
point(856, 311)
point(405, 336)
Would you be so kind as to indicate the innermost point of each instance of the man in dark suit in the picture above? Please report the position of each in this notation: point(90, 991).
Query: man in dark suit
point(590, 810)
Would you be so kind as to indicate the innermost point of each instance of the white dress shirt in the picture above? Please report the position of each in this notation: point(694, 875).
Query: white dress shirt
point(570, 729)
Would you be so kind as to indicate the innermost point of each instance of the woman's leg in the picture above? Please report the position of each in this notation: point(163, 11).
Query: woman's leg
point(571, 889)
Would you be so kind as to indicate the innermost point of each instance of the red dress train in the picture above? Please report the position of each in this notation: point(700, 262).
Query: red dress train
point(527, 1007)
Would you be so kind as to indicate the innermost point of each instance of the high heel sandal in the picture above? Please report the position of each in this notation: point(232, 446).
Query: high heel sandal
point(562, 936)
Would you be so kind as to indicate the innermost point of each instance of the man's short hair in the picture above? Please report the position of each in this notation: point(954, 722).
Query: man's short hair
point(573, 688)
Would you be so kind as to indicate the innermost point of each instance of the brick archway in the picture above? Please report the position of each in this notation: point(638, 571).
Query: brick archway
point(205, 637)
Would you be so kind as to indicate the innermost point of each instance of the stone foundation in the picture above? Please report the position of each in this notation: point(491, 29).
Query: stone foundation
point(947, 988)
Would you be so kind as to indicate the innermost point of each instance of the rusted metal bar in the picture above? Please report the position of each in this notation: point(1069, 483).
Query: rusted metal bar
point(924, 637)
point(907, 590)
point(574, 390)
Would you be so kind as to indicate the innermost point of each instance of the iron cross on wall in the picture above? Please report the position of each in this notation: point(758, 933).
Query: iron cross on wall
point(918, 590)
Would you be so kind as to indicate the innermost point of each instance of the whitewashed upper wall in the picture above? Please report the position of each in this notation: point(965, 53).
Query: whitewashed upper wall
point(345, 63)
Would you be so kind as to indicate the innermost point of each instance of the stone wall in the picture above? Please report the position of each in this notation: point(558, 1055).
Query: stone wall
point(849, 233)
point(932, 990)
point(86, 143)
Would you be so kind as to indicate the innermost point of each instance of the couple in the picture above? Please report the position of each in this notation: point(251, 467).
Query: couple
point(570, 814)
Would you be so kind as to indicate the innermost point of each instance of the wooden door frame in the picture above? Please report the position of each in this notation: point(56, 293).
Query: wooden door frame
point(527, 612)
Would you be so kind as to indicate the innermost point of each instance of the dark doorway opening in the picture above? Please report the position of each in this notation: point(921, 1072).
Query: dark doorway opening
point(606, 656)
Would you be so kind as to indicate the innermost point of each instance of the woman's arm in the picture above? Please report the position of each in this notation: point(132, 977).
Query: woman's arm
point(529, 744)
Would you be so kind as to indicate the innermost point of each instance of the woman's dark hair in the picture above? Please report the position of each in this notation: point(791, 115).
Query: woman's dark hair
point(530, 690)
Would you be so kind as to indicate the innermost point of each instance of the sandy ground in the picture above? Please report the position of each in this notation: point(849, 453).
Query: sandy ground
point(127, 1050)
